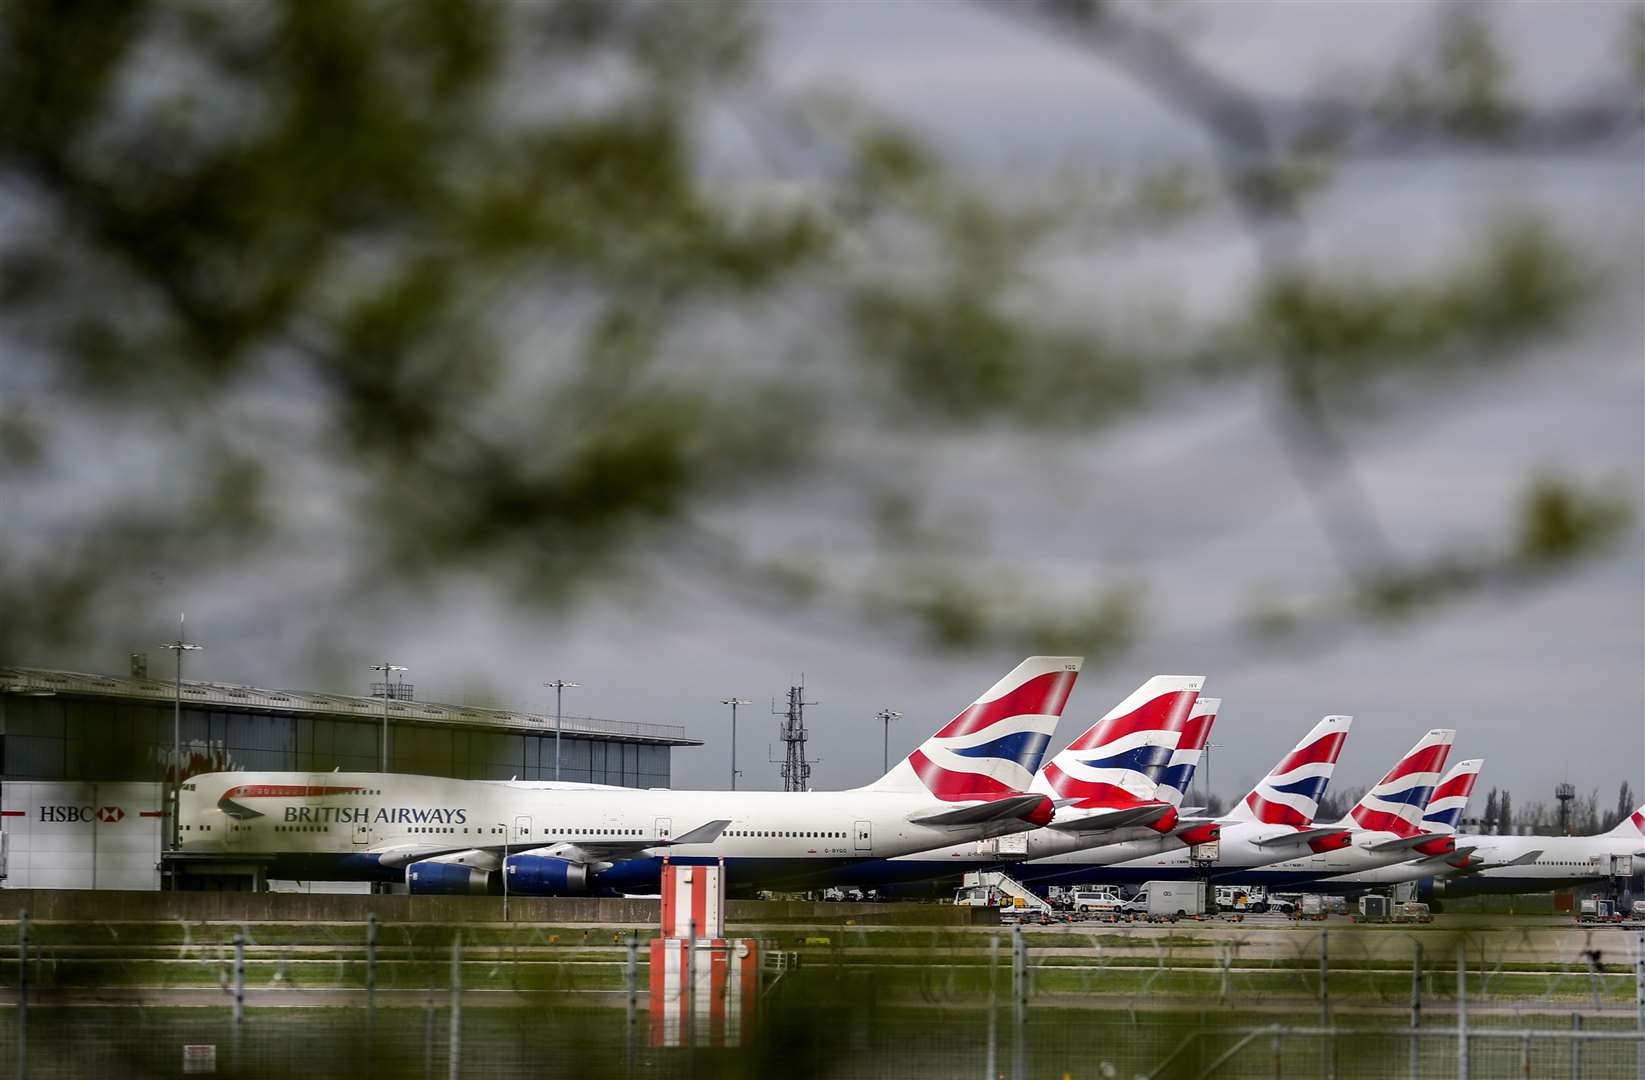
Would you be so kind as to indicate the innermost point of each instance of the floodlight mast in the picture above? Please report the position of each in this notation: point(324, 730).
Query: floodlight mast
point(885, 716)
point(178, 648)
point(734, 702)
point(386, 668)
point(559, 686)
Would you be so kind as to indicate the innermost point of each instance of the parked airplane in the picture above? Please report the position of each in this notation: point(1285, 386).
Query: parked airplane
point(1386, 825)
point(1271, 823)
point(1107, 777)
point(1443, 816)
point(967, 782)
point(1524, 864)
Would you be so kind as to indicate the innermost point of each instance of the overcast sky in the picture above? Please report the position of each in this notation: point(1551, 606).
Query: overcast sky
point(1546, 685)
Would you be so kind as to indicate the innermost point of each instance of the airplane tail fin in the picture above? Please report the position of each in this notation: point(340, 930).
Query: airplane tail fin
point(1118, 760)
point(1290, 794)
point(1196, 732)
point(1395, 804)
point(993, 747)
point(1632, 826)
point(1444, 812)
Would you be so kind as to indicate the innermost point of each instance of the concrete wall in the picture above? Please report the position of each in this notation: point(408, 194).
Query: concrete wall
point(126, 906)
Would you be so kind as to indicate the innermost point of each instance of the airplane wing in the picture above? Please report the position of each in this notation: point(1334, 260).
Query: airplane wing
point(1445, 862)
point(604, 850)
point(975, 813)
point(1407, 843)
point(1113, 819)
point(490, 856)
point(1521, 860)
point(1296, 839)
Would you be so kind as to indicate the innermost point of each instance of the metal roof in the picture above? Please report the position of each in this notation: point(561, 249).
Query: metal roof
point(43, 681)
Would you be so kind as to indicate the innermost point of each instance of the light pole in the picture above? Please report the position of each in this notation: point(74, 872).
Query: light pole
point(178, 647)
point(1210, 746)
point(885, 716)
point(734, 702)
point(559, 686)
point(386, 668)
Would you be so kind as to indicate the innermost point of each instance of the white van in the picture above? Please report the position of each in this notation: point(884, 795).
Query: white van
point(1103, 901)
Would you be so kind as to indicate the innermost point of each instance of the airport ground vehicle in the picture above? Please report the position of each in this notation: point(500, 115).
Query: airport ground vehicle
point(1595, 909)
point(1172, 899)
point(992, 888)
point(1103, 901)
point(1252, 900)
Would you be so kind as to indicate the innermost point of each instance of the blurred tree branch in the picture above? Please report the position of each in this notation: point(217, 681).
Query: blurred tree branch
point(454, 278)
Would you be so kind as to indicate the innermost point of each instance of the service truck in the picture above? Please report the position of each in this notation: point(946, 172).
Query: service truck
point(1171, 899)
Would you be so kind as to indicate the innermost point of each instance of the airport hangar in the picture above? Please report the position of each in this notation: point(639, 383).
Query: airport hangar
point(85, 761)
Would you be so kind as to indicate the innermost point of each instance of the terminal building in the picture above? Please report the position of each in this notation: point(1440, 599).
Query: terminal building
point(86, 760)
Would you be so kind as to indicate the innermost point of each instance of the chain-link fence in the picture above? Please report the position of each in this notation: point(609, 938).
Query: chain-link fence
point(1192, 999)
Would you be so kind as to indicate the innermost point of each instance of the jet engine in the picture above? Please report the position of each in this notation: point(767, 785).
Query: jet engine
point(545, 875)
point(446, 879)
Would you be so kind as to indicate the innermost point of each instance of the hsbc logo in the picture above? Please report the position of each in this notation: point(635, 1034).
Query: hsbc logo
point(74, 815)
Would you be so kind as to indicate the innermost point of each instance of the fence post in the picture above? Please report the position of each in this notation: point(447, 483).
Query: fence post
point(1279, 1054)
point(454, 1048)
point(371, 993)
point(1019, 1015)
point(239, 993)
point(688, 987)
point(1639, 1003)
point(428, 1033)
point(1416, 1010)
point(1462, 1013)
point(23, 996)
point(991, 1065)
point(1328, 1043)
point(1576, 1046)
point(632, 976)
point(239, 982)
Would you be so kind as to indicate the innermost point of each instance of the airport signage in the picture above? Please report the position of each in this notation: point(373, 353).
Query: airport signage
point(74, 815)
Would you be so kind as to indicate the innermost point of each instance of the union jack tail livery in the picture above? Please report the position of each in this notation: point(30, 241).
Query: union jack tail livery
point(1631, 826)
point(1118, 760)
point(1395, 804)
point(1290, 794)
point(992, 748)
point(1444, 813)
point(1196, 732)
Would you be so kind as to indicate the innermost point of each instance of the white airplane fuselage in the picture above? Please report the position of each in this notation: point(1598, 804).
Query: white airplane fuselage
point(1562, 861)
point(370, 826)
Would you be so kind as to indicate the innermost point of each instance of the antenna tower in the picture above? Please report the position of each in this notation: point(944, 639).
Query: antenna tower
point(791, 730)
point(1565, 792)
